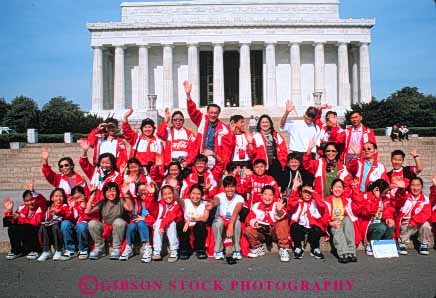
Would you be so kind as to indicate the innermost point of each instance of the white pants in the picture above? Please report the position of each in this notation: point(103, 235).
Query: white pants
point(171, 232)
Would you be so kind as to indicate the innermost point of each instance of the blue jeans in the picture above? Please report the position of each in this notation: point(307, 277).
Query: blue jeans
point(67, 230)
point(83, 236)
point(141, 227)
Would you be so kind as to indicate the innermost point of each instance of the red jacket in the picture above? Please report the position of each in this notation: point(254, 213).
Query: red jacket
point(223, 142)
point(63, 212)
point(141, 148)
point(261, 213)
point(95, 138)
point(167, 215)
point(419, 209)
point(316, 210)
point(78, 214)
point(193, 179)
point(150, 204)
point(61, 180)
point(33, 216)
point(334, 134)
point(253, 185)
point(433, 204)
point(259, 150)
point(175, 147)
point(317, 168)
point(367, 136)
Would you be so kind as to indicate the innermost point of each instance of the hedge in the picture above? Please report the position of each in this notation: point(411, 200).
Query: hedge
point(420, 131)
point(5, 139)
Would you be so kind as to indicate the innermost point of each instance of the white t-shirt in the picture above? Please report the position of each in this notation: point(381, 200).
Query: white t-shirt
point(300, 134)
point(191, 211)
point(107, 146)
point(241, 145)
point(226, 207)
point(304, 220)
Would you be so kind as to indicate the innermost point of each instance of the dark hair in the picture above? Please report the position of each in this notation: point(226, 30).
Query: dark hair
point(398, 152)
point(197, 186)
point(111, 157)
point(167, 186)
point(134, 160)
point(64, 195)
point(337, 180)
point(177, 113)
point(70, 161)
point(416, 178)
point(305, 184)
point(147, 121)
point(177, 164)
point(258, 161)
point(334, 145)
point(229, 180)
point(108, 186)
point(111, 120)
point(26, 193)
point(330, 113)
point(380, 183)
point(260, 120)
point(236, 118)
point(214, 105)
point(374, 144)
point(142, 183)
point(294, 155)
point(201, 157)
point(266, 187)
point(311, 112)
point(356, 112)
point(78, 189)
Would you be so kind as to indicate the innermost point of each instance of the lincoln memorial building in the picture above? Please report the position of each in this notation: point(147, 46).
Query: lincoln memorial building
point(248, 56)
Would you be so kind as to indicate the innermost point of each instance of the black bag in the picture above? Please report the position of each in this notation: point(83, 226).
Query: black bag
point(8, 221)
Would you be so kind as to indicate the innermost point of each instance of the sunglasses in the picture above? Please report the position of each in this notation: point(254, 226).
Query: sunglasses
point(332, 151)
point(65, 165)
point(178, 119)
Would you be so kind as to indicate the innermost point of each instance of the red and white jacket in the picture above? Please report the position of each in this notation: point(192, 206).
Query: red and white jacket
point(328, 134)
point(317, 168)
point(32, 216)
point(168, 214)
point(178, 142)
point(192, 179)
point(78, 214)
point(142, 148)
point(433, 204)
point(96, 138)
point(61, 180)
point(95, 176)
point(62, 212)
point(315, 210)
point(223, 142)
point(419, 209)
point(377, 171)
point(148, 202)
point(253, 185)
point(259, 150)
point(367, 136)
point(265, 214)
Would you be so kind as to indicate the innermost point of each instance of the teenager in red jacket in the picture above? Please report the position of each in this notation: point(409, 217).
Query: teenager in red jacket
point(268, 219)
point(413, 216)
point(268, 145)
point(326, 169)
point(145, 147)
point(50, 229)
point(170, 213)
point(67, 179)
point(342, 212)
point(240, 156)
point(23, 225)
point(178, 139)
point(330, 131)
point(103, 139)
point(308, 216)
point(200, 175)
point(213, 138)
point(355, 137)
point(376, 214)
point(400, 172)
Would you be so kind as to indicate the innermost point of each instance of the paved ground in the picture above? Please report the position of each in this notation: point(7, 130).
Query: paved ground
point(411, 276)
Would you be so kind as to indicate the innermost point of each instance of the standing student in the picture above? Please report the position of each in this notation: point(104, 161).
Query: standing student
point(400, 172)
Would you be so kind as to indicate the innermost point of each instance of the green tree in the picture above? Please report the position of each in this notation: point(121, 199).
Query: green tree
point(60, 115)
point(4, 108)
point(23, 114)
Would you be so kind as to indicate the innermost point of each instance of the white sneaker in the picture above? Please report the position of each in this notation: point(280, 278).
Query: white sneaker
point(284, 255)
point(12, 256)
point(219, 255)
point(57, 256)
point(146, 256)
point(68, 255)
point(115, 254)
point(127, 253)
point(83, 255)
point(237, 255)
point(173, 256)
point(44, 256)
point(369, 250)
point(96, 254)
point(257, 252)
point(403, 249)
point(32, 255)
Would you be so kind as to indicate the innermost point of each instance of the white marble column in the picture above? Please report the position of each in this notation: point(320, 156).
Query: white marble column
point(168, 91)
point(355, 75)
point(142, 77)
point(271, 89)
point(97, 80)
point(119, 80)
point(295, 59)
point(244, 76)
point(218, 75)
point(319, 69)
point(365, 74)
point(194, 71)
point(343, 76)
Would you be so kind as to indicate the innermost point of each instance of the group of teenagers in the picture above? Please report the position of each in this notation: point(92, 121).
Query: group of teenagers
point(223, 192)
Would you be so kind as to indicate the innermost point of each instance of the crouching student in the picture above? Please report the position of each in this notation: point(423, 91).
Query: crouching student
point(50, 229)
point(23, 225)
point(376, 215)
point(341, 210)
point(268, 219)
point(308, 217)
point(142, 219)
point(226, 221)
point(169, 215)
point(413, 216)
point(195, 215)
point(113, 211)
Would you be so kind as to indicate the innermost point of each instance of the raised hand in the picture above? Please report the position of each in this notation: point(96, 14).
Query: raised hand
point(44, 154)
point(325, 106)
point(413, 153)
point(433, 179)
point(92, 187)
point(312, 144)
point(123, 168)
point(127, 114)
point(280, 205)
point(31, 184)
point(188, 87)
point(84, 144)
point(8, 204)
point(167, 115)
point(101, 127)
point(289, 107)
point(151, 188)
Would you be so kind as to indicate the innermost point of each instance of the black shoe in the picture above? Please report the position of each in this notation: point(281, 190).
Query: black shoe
point(298, 253)
point(317, 254)
point(201, 255)
point(343, 259)
point(352, 258)
point(184, 256)
point(230, 260)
